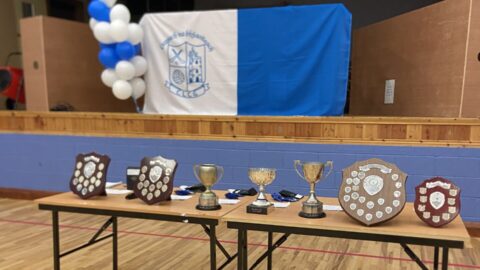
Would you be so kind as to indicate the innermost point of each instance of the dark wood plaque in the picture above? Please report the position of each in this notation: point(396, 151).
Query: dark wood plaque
point(155, 182)
point(437, 201)
point(89, 175)
point(372, 191)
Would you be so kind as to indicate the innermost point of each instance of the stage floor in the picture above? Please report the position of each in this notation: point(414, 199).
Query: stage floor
point(26, 243)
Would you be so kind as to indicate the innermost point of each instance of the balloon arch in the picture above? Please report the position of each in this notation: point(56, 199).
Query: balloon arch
point(119, 48)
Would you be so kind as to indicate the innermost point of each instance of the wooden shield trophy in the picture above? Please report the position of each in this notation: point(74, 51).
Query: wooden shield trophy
point(437, 201)
point(372, 191)
point(155, 182)
point(89, 176)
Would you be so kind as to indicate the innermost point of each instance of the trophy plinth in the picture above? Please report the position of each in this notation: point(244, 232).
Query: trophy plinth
point(208, 175)
point(312, 210)
point(261, 177)
point(312, 173)
point(208, 201)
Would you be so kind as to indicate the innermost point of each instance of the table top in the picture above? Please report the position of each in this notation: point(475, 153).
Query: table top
point(405, 224)
point(184, 208)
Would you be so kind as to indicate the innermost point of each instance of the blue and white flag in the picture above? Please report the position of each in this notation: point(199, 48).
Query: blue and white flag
point(290, 60)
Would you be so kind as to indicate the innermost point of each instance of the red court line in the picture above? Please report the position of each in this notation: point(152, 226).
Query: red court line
point(26, 222)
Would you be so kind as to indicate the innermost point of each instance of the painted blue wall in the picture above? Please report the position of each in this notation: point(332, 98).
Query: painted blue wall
point(46, 162)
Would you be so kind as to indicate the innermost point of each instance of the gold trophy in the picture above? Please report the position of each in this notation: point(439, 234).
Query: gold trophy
point(312, 173)
point(208, 175)
point(262, 177)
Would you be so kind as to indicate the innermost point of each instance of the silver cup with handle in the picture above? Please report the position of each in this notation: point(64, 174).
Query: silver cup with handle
point(208, 175)
point(312, 172)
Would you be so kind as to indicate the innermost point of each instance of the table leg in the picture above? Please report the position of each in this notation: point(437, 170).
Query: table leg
point(270, 250)
point(56, 241)
point(445, 258)
point(242, 250)
point(115, 243)
point(213, 248)
point(435, 258)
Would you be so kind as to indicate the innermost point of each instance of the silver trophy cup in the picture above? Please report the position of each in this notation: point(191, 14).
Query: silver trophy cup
point(208, 175)
point(261, 177)
point(312, 172)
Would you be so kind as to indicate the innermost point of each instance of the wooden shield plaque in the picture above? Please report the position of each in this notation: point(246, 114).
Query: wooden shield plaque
point(90, 174)
point(155, 182)
point(437, 201)
point(372, 191)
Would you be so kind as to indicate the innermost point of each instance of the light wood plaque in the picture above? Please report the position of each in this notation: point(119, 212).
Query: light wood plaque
point(372, 191)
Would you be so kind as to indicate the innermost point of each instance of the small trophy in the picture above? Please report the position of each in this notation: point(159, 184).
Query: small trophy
point(261, 177)
point(312, 173)
point(208, 175)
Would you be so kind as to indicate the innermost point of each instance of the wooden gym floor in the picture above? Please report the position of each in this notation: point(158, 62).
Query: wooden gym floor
point(25, 243)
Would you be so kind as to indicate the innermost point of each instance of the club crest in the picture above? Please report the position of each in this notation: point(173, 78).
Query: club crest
point(187, 63)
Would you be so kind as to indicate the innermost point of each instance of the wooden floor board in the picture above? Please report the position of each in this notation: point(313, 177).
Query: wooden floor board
point(25, 243)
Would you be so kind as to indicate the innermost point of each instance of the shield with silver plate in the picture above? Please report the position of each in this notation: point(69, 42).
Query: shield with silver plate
point(155, 181)
point(437, 201)
point(372, 191)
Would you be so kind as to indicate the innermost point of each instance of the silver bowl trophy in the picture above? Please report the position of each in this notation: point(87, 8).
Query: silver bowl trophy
point(208, 175)
point(312, 173)
point(262, 177)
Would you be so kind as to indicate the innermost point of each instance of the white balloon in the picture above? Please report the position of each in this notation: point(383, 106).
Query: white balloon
point(135, 33)
point(109, 3)
point(119, 31)
point(102, 32)
point(92, 23)
point(140, 65)
point(125, 70)
point(120, 12)
point(139, 86)
point(109, 77)
point(122, 89)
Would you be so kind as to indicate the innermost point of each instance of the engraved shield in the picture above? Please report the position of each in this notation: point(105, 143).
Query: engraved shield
point(372, 191)
point(437, 201)
point(89, 175)
point(155, 182)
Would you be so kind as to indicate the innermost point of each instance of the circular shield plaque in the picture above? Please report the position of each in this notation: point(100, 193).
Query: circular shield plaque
point(372, 191)
point(155, 182)
point(89, 175)
point(437, 201)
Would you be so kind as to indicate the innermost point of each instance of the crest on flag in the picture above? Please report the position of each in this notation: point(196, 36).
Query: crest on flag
point(187, 69)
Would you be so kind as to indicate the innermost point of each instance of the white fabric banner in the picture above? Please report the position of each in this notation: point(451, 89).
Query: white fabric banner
point(192, 62)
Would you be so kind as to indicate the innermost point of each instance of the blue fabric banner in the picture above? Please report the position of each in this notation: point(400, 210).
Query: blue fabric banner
point(293, 60)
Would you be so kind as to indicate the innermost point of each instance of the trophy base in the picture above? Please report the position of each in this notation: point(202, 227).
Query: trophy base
point(312, 210)
point(312, 215)
point(208, 207)
point(261, 210)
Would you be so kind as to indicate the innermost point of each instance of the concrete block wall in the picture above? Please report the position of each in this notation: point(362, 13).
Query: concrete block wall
point(46, 162)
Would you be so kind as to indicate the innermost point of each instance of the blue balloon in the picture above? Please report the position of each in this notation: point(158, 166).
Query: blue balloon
point(108, 57)
point(110, 46)
point(99, 11)
point(138, 49)
point(125, 50)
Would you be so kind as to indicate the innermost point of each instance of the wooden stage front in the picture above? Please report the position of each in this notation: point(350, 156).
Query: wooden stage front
point(455, 132)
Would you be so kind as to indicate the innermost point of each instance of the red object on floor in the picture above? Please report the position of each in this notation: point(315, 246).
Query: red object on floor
point(11, 83)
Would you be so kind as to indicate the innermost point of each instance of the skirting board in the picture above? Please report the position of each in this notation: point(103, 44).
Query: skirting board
point(24, 194)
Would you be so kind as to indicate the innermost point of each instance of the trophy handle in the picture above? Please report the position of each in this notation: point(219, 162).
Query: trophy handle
point(220, 171)
point(329, 163)
point(195, 169)
point(295, 165)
